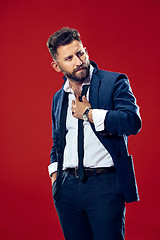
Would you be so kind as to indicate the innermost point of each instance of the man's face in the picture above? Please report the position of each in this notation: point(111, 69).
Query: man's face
point(73, 61)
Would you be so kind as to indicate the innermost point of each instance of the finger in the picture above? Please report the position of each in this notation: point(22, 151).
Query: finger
point(73, 103)
point(73, 109)
point(84, 99)
point(77, 98)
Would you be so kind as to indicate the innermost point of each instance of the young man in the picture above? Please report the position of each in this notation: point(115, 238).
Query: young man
point(92, 115)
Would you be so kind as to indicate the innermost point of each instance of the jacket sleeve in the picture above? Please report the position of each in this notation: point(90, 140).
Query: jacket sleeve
point(53, 154)
point(124, 119)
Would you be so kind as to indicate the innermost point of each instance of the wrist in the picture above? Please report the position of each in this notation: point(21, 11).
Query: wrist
point(87, 115)
point(90, 116)
point(54, 176)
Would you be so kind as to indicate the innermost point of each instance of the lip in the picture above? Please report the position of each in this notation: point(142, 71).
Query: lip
point(80, 70)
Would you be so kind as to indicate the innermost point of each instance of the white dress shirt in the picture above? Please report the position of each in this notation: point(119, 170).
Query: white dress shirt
point(95, 154)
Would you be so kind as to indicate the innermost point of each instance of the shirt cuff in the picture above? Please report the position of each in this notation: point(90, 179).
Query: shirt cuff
point(98, 116)
point(52, 168)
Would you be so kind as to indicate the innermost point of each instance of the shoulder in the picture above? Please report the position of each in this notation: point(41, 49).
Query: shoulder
point(110, 79)
point(112, 76)
point(57, 95)
point(107, 76)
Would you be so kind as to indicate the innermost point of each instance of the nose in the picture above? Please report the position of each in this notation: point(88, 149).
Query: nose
point(78, 61)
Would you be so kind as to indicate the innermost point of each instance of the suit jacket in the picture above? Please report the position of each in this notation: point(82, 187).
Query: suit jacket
point(110, 91)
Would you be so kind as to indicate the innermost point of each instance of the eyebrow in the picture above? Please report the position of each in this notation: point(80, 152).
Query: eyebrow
point(71, 55)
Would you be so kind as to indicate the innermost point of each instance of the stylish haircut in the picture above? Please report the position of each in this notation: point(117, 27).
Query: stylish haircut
point(62, 37)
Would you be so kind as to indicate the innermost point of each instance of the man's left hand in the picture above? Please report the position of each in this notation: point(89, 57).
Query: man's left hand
point(78, 108)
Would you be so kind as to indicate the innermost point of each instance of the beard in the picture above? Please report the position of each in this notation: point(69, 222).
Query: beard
point(79, 74)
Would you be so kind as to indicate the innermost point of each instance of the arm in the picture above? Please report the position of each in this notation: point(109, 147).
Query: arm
point(52, 168)
point(124, 119)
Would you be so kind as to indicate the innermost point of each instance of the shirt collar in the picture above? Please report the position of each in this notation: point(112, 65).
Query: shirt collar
point(87, 81)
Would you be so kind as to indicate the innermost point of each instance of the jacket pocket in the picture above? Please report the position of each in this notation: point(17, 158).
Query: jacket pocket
point(126, 176)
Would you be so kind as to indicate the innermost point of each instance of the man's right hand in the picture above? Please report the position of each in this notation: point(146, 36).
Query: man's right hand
point(54, 176)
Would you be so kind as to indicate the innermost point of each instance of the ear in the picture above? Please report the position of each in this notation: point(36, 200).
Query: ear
point(55, 66)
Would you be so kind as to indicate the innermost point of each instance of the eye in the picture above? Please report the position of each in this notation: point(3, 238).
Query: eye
point(80, 53)
point(69, 58)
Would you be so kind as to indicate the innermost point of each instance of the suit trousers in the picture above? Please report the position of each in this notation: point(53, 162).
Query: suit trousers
point(91, 210)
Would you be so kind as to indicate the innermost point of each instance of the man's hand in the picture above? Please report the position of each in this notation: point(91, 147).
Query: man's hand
point(54, 176)
point(78, 108)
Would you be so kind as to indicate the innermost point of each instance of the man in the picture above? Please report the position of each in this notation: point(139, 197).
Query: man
point(92, 173)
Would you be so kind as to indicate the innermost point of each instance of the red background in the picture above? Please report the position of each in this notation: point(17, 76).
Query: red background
point(120, 36)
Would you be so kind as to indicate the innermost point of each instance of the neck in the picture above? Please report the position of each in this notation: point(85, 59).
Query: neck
point(76, 87)
point(74, 83)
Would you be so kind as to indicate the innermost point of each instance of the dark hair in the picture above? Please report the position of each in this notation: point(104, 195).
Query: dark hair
point(62, 37)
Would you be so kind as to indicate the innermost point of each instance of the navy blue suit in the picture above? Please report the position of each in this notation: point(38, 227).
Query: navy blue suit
point(112, 92)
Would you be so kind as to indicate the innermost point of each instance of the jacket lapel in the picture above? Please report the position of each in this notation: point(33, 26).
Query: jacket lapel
point(94, 89)
point(63, 105)
point(59, 105)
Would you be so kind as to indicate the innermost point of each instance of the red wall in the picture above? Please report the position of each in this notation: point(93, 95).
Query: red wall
point(120, 36)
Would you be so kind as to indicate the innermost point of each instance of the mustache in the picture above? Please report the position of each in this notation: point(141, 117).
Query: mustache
point(81, 67)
